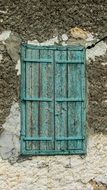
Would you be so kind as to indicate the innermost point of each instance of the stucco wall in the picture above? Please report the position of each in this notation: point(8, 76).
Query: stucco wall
point(51, 23)
point(56, 172)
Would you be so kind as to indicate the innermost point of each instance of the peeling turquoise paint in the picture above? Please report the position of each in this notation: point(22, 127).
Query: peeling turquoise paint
point(53, 100)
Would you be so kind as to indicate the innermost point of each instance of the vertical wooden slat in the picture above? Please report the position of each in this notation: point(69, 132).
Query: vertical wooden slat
point(84, 104)
point(43, 105)
point(74, 74)
point(35, 55)
point(74, 92)
point(67, 94)
point(39, 95)
point(75, 56)
point(74, 124)
point(81, 58)
point(60, 107)
point(28, 94)
point(23, 105)
point(50, 94)
point(46, 108)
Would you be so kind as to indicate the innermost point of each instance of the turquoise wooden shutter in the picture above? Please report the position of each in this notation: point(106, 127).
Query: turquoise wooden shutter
point(53, 100)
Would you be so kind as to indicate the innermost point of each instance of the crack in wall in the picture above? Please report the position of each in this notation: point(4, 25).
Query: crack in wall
point(96, 42)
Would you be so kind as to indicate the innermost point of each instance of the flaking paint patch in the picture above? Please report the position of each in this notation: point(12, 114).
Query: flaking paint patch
point(5, 35)
point(1, 57)
point(12, 124)
point(3, 12)
point(18, 67)
point(64, 37)
point(89, 187)
point(9, 82)
point(97, 51)
point(35, 42)
point(47, 42)
point(104, 63)
point(9, 139)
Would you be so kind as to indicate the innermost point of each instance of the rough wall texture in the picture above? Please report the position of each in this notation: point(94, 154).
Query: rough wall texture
point(9, 138)
point(45, 18)
point(9, 82)
point(97, 77)
point(59, 172)
point(40, 21)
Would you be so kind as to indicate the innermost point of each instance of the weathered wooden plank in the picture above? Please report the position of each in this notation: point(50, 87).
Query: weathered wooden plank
point(34, 132)
point(84, 104)
point(60, 107)
point(46, 108)
point(55, 47)
point(43, 105)
point(37, 60)
point(76, 61)
point(75, 56)
point(74, 80)
point(50, 95)
point(23, 105)
point(29, 118)
point(54, 152)
point(38, 138)
point(74, 124)
point(74, 108)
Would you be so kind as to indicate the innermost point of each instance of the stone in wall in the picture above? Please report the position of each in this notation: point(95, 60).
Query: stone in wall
point(13, 46)
point(94, 185)
point(9, 81)
point(79, 33)
point(9, 138)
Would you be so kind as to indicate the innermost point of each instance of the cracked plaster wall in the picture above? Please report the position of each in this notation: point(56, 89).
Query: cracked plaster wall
point(53, 20)
point(56, 172)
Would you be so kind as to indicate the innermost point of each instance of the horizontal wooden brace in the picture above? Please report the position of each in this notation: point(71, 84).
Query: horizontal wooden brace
point(55, 152)
point(38, 60)
point(50, 100)
point(54, 47)
point(68, 138)
point(38, 139)
point(37, 99)
point(50, 61)
point(69, 100)
point(51, 139)
point(69, 62)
